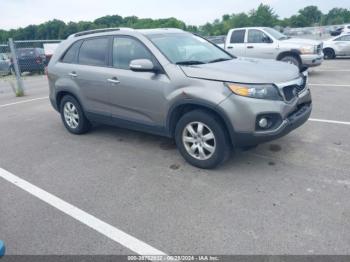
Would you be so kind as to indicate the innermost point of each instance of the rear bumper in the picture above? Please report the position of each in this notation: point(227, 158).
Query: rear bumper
point(293, 121)
point(31, 67)
point(312, 60)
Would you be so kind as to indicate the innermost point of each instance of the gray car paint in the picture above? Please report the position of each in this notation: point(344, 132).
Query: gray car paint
point(240, 70)
point(149, 98)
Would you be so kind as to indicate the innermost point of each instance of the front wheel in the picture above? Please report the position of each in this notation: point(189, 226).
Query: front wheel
point(292, 60)
point(329, 53)
point(202, 139)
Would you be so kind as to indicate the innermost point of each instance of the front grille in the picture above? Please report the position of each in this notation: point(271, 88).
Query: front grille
point(292, 91)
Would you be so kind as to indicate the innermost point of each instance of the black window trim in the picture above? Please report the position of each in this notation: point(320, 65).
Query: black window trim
point(262, 31)
point(154, 58)
point(110, 52)
point(107, 59)
point(236, 30)
point(75, 61)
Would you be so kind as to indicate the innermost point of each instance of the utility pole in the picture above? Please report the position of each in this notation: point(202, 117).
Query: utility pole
point(19, 86)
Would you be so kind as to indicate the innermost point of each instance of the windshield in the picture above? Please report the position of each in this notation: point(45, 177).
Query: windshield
point(188, 49)
point(274, 33)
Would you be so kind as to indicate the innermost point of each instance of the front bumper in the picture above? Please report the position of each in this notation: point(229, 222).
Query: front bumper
point(243, 113)
point(312, 60)
point(295, 120)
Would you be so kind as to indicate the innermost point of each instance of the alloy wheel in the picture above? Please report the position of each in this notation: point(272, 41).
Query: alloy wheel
point(71, 115)
point(199, 140)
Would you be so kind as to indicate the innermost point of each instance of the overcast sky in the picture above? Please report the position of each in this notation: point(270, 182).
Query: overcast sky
point(20, 13)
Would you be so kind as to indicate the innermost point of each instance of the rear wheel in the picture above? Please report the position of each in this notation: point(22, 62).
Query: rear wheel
point(292, 60)
point(329, 53)
point(202, 139)
point(73, 116)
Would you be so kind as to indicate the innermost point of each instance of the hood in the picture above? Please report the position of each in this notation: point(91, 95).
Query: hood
point(301, 41)
point(245, 70)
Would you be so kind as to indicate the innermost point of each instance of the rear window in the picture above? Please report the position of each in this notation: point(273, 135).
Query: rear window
point(237, 36)
point(94, 52)
point(72, 54)
point(26, 52)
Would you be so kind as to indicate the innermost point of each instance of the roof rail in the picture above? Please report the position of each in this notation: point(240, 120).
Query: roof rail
point(101, 30)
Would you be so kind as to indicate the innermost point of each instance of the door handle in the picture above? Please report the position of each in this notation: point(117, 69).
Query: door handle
point(230, 47)
point(250, 46)
point(113, 80)
point(73, 74)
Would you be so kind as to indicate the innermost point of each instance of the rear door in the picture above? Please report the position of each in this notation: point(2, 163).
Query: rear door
point(260, 45)
point(236, 45)
point(84, 66)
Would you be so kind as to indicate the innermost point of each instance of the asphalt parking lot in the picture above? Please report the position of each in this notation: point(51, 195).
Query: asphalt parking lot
point(290, 196)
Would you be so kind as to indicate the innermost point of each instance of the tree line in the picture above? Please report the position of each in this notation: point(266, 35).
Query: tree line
point(264, 15)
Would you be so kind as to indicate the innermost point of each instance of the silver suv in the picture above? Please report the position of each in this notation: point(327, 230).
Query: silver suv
point(175, 84)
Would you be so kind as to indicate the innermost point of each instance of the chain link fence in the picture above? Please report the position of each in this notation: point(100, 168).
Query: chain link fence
point(20, 60)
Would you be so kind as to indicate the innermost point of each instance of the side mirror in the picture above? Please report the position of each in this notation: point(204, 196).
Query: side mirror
point(142, 65)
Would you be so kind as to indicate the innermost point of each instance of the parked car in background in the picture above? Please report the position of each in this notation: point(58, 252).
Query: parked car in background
point(31, 60)
point(49, 49)
point(337, 46)
point(264, 42)
point(337, 31)
point(218, 40)
point(346, 29)
point(5, 64)
point(176, 84)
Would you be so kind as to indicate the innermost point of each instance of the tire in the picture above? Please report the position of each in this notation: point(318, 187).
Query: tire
point(220, 143)
point(73, 116)
point(292, 60)
point(329, 53)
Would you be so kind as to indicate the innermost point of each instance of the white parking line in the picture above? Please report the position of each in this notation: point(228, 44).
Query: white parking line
point(329, 121)
point(310, 84)
point(24, 101)
point(105, 229)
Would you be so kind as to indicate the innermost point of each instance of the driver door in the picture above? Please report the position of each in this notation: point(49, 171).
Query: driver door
point(260, 45)
point(135, 96)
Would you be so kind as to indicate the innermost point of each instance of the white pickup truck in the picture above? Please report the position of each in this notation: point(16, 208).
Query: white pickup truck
point(264, 42)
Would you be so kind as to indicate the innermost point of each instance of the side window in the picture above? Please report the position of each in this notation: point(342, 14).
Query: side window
point(94, 52)
point(343, 38)
point(237, 36)
point(257, 36)
point(126, 49)
point(71, 55)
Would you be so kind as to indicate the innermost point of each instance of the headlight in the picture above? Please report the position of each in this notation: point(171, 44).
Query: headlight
point(260, 91)
point(310, 49)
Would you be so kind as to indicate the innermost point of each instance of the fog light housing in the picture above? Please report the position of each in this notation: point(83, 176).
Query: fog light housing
point(266, 122)
point(263, 123)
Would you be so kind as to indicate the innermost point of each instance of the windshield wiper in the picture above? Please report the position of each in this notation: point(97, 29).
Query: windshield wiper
point(219, 60)
point(190, 62)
